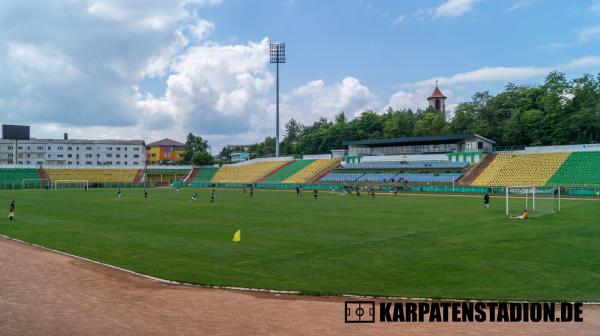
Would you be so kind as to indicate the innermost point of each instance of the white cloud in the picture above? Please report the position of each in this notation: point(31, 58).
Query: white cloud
point(453, 8)
point(595, 7)
point(584, 35)
point(201, 29)
point(315, 99)
point(588, 33)
point(399, 19)
point(216, 89)
point(520, 4)
point(488, 74)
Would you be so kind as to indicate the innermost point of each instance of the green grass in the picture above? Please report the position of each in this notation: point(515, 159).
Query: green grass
point(414, 246)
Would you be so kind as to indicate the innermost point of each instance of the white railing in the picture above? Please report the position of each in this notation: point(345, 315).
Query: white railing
point(243, 163)
point(316, 156)
point(565, 148)
point(407, 157)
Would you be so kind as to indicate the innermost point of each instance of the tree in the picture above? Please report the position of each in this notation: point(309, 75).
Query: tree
point(202, 158)
point(193, 144)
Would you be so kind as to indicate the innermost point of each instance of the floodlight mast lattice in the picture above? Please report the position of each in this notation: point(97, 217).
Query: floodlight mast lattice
point(277, 55)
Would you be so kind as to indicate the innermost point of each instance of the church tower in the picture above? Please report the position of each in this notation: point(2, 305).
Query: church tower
point(437, 100)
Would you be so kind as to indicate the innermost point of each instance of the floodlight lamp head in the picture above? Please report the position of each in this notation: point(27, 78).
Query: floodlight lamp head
point(277, 53)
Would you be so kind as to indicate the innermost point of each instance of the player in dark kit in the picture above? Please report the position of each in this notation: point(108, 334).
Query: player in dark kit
point(251, 191)
point(145, 193)
point(486, 200)
point(297, 191)
point(11, 210)
point(119, 193)
point(315, 194)
point(212, 196)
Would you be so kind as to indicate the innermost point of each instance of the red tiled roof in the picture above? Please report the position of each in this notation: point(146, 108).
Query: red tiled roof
point(166, 142)
point(437, 93)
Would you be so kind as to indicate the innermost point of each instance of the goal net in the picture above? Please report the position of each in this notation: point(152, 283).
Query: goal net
point(538, 201)
point(35, 183)
point(70, 184)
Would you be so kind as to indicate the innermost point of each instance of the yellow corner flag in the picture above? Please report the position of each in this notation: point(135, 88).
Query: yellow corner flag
point(237, 236)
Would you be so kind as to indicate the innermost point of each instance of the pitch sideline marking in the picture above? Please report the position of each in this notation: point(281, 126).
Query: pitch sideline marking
point(261, 290)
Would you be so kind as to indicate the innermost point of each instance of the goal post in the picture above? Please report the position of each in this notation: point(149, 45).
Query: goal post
point(538, 201)
point(70, 184)
point(42, 182)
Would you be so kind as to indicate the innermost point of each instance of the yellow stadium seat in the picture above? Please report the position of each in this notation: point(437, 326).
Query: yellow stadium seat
point(92, 175)
point(248, 173)
point(312, 170)
point(510, 169)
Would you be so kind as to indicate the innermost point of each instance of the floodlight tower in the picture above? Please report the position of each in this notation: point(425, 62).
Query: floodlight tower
point(277, 55)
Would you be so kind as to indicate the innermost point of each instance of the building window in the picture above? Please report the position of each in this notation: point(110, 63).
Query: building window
point(136, 163)
point(20, 147)
point(69, 148)
point(118, 155)
point(61, 148)
point(136, 156)
point(109, 148)
point(70, 155)
point(118, 148)
point(40, 147)
point(89, 163)
point(49, 155)
point(88, 148)
point(108, 155)
point(88, 156)
point(49, 148)
point(137, 149)
point(59, 155)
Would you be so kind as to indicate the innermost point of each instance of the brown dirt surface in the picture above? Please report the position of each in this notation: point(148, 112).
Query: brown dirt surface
point(48, 293)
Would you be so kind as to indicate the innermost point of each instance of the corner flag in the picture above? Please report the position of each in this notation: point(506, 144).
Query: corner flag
point(237, 236)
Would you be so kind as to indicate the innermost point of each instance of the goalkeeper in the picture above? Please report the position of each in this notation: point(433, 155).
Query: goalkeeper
point(524, 215)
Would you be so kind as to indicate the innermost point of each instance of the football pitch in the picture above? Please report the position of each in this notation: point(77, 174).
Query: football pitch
point(426, 246)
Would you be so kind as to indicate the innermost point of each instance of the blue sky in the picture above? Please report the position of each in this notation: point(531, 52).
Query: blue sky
point(161, 68)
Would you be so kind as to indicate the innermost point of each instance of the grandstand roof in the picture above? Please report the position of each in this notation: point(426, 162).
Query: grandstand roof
point(166, 142)
point(416, 140)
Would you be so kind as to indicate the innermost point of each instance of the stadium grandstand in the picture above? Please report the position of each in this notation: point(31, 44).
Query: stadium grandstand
point(466, 161)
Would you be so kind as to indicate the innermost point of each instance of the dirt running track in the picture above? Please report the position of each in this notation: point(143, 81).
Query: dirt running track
point(46, 293)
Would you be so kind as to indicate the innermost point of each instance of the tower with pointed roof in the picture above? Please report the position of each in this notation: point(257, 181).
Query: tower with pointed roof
point(437, 100)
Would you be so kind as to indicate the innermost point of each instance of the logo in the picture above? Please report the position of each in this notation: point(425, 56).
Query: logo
point(360, 312)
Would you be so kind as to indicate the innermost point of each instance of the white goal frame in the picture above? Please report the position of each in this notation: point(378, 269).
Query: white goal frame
point(40, 180)
point(529, 193)
point(55, 183)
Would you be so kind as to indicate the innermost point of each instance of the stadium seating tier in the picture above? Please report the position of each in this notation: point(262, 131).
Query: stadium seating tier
point(247, 173)
point(287, 171)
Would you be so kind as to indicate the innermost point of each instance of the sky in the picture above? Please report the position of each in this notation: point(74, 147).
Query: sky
point(149, 69)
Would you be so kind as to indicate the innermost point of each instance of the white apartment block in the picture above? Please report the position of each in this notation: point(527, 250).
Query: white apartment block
point(75, 152)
